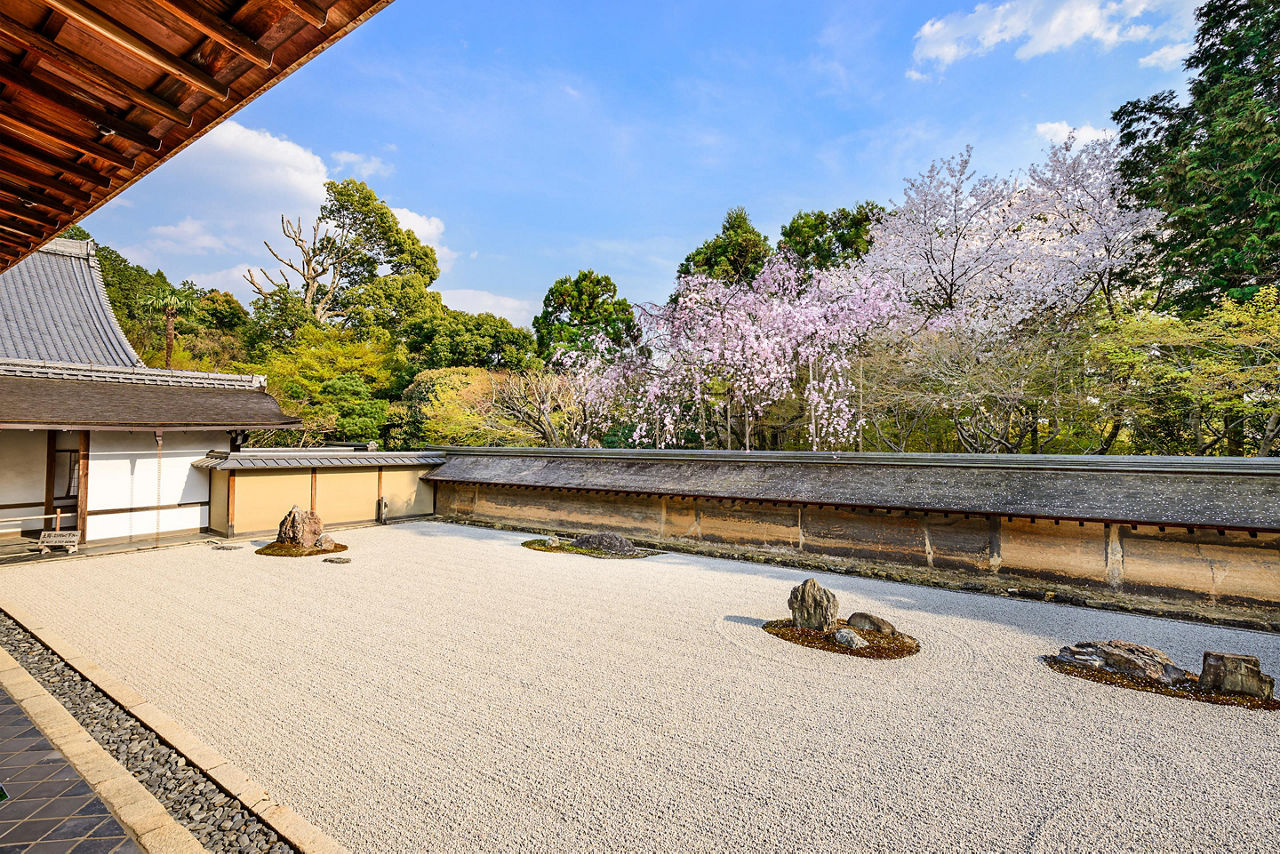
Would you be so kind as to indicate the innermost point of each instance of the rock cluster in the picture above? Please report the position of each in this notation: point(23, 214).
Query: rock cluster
point(1221, 672)
point(1235, 674)
point(813, 606)
point(1126, 659)
point(849, 638)
point(301, 528)
point(610, 543)
point(220, 822)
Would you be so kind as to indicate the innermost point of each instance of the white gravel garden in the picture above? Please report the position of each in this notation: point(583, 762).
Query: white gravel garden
point(451, 690)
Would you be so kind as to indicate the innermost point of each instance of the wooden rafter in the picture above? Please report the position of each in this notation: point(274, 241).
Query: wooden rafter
point(104, 121)
point(96, 93)
point(145, 49)
point(28, 39)
point(198, 17)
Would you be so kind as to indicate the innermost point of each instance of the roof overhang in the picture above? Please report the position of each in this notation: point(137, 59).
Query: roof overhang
point(94, 94)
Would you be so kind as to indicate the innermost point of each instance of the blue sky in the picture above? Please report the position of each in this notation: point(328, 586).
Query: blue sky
point(527, 141)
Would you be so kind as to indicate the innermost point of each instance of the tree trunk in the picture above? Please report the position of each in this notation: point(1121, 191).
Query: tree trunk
point(168, 340)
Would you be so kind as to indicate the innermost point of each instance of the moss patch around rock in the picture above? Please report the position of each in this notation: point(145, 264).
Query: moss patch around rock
point(1182, 692)
point(879, 646)
point(541, 546)
point(291, 550)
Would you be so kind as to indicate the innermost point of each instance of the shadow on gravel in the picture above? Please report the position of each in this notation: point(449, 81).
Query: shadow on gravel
point(744, 621)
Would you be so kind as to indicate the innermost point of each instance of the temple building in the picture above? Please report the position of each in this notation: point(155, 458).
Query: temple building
point(90, 438)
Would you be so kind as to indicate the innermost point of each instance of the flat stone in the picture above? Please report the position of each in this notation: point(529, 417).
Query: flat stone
point(1228, 673)
point(1124, 658)
point(871, 623)
point(813, 606)
point(337, 560)
point(849, 638)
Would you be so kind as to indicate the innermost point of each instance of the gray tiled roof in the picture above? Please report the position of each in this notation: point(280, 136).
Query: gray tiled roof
point(53, 308)
point(306, 458)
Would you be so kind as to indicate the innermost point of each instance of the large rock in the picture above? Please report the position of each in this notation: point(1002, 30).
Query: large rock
point(813, 606)
point(871, 623)
point(1124, 658)
point(1235, 674)
point(300, 528)
point(610, 543)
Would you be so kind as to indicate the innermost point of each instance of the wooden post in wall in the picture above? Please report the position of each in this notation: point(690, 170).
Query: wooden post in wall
point(50, 473)
point(313, 490)
point(231, 503)
point(82, 489)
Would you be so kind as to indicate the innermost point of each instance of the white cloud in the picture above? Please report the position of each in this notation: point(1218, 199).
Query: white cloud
point(1167, 58)
point(518, 311)
point(362, 166)
point(430, 230)
point(917, 76)
point(1057, 132)
point(231, 279)
point(1045, 26)
point(191, 235)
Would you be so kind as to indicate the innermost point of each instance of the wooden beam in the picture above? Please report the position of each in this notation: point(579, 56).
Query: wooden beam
point(24, 195)
point(87, 112)
point(16, 242)
point(9, 142)
point(30, 40)
point(23, 229)
point(307, 11)
point(35, 128)
point(19, 172)
point(118, 34)
point(198, 17)
point(18, 211)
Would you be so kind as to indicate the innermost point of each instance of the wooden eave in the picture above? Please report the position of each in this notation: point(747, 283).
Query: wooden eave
point(94, 94)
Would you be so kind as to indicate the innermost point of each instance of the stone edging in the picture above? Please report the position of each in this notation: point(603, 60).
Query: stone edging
point(144, 817)
point(291, 827)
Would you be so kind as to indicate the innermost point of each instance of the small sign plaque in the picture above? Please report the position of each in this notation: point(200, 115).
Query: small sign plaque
point(68, 540)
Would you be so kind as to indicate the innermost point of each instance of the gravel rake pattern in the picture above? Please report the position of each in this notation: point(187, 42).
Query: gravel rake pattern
point(220, 822)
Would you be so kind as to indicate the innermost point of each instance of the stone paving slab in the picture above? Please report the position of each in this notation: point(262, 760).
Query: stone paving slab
point(51, 809)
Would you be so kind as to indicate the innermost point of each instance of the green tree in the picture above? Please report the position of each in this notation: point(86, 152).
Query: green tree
point(355, 235)
point(1212, 165)
point(822, 240)
point(452, 406)
point(736, 254)
point(576, 310)
point(169, 302)
point(277, 317)
point(347, 408)
point(456, 339)
point(389, 304)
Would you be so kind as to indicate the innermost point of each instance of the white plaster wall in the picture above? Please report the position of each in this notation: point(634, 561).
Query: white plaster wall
point(22, 462)
point(123, 473)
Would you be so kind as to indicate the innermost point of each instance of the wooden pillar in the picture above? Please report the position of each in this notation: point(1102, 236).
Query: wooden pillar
point(50, 473)
point(313, 490)
point(231, 503)
point(82, 490)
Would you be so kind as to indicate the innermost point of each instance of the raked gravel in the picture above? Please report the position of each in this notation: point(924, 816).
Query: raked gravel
point(450, 690)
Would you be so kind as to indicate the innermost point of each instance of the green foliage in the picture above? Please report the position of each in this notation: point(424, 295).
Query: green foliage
point(367, 222)
point(75, 232)
point(346, 403)
point(576, 310)
point(1210, 165)
point(822, 240)
point(451, 406)
point(276, 321)
point(736, 254)
point(456, 339)
point(391, 304)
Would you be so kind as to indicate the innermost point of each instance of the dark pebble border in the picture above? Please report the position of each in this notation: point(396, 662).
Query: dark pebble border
point(220, 822)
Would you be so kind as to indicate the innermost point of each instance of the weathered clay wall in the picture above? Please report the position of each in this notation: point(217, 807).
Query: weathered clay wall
point(1226, 565)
